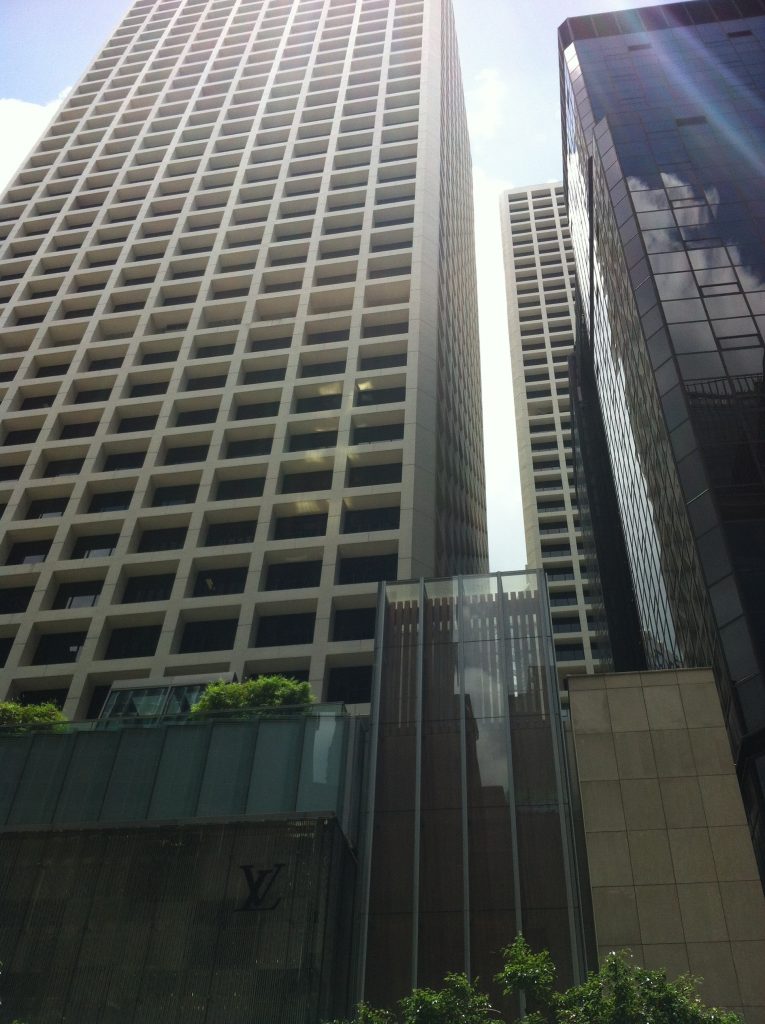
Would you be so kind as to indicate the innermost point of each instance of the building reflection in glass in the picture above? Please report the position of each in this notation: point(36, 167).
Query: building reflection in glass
point(664, 154)
point(469, 812)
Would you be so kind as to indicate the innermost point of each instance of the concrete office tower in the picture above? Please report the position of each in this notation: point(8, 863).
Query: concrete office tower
point(239, 348)
point(664, 153)
point(539, 274)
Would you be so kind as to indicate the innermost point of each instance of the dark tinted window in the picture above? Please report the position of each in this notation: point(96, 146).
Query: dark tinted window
point(300, 526)
point(21, 436)
point(351, 684)
point(248, 487)
point(191, 417)
point(15, 599)
point(151, 387)
point(364, 520)
point(162, 540)
point(78, 594)
point(318, 403)
point(70, 430)
point(110, 501)
point(132, 424)
point(256, 410)
point(230, 533)
point(28, 552)
point(180, 494)
point(285, 630)
point(215, 635)
point(56, 648)
point(354, 624)
point(124, 460)
point(187, 453)
point(289, 575)
point(250, 446)
point(148, 588)
point(313, 440)
point(95, 545)
point(211, 582)
point(363, 476)
point(133, 642)
point(64, 467)
point(320, 480)
point(378, 432)
point(367, 569)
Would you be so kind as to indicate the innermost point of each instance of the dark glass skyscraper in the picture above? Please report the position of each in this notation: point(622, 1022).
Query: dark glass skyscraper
point(664, 151)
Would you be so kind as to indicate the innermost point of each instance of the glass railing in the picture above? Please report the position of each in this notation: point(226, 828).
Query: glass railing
point(140, 768)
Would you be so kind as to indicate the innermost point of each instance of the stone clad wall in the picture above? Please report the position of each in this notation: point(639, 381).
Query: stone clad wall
point(240, 922)
point(671, 864)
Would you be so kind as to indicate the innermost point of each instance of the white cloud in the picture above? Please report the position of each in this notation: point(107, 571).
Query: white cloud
point(21, 125)
point(507, 548)
point(486, 100)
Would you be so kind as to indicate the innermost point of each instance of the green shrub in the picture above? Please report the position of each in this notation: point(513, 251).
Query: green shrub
point(253, 695)
point(19, 716)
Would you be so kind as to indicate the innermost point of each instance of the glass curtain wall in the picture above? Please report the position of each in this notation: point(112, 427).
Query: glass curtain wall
point(468, 833)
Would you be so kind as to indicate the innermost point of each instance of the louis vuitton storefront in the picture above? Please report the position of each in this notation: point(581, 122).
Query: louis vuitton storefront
point(178, 873)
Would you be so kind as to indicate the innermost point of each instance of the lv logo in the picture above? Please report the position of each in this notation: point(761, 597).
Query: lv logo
point(258, 885)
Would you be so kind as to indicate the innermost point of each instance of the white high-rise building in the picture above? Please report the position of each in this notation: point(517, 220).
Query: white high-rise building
point(539, 276)
point(238, 349)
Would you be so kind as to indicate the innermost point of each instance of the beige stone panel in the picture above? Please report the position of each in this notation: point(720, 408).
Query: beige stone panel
point(635, 951)
point(672, 750)
point(702, 912)
point(627, 710)
point(659, 914)
point(700, 701)
point(722, 800)
point(642, 803)
point(664, 707)
point(749, 960)
point(608, 858)
point(595, 757)
point(713, 964)
point(692, 855)
point(711, 751)
point(733, 853)
point(602, 806)
point(658, 678)
point(669, 957)
point(616, 919)
point(622, 681)
point(744, 909)
point(650, 857)
point(634, 755)
point(579, 684)
point(751, 1014)
point(589, 711)
point(682, 803)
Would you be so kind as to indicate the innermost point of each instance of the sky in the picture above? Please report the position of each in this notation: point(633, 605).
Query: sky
point(508, 51)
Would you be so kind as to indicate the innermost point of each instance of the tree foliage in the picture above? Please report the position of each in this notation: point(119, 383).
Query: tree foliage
point(459, 1002)
point(618, 993)
point(273, 691)
point(20, 716)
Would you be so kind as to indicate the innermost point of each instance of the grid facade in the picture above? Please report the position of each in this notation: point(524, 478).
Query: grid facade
point(541, 290)
point(221, 348)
